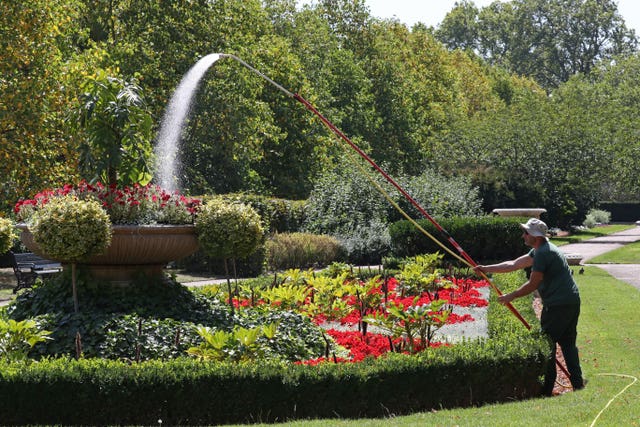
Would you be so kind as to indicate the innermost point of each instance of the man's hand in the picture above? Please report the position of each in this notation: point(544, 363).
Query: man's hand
point(506, 298)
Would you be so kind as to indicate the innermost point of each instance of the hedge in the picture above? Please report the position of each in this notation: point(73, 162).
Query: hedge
point(486, 238)
point(185, 392)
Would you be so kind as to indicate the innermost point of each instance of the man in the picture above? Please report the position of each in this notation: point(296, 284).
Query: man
point(551, 277)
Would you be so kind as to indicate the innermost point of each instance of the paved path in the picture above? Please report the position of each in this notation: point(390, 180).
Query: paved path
point(629, 273)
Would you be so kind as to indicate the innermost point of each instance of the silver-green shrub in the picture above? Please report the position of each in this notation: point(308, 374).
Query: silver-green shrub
point(229, 230)
point(7, 234)
point(71, 230)
point(595, 217)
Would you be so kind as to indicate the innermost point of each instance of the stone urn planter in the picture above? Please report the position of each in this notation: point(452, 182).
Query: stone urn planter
point(524, 212)
point(134, 250)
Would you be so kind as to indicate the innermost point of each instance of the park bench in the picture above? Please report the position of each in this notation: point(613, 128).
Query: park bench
point(28, 267)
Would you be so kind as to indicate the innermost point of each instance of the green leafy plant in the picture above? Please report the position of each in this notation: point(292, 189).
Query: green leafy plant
point(118, 125)
point(71, 230)
point(7, 234)
point(18, 338)
point(595, 217)
point(420, 274)
point(419, 322)
point(240, 344)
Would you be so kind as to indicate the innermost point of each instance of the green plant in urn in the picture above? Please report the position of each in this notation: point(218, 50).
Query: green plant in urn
point(71, 230)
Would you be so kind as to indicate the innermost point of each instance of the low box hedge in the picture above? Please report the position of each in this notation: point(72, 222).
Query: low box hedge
point(184, 391)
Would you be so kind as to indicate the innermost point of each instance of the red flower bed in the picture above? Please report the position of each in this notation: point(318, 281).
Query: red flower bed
point(464, 293)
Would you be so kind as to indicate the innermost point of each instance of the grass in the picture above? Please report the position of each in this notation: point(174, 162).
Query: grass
point(580, 236)
point(627, 254)
point(607, 338)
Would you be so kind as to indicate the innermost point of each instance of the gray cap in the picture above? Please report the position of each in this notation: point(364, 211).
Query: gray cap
point(535, 227)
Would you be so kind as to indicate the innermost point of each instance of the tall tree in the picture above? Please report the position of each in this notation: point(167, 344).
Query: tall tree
point(548, 40)
point(36, 86)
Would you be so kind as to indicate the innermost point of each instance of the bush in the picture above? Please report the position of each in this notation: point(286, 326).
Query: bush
point(595, 217)
point(485, 238)
point(71, 230)
point(228, 230)
point(7, 234)
point(277, 215)
point(367, 244)
point(302, 250)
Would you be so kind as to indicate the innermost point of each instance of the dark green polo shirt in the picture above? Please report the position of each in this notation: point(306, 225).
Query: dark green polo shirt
point(557, 286)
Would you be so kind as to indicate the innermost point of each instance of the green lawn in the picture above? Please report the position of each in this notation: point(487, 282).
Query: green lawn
point(628, 254)
point(609, 348)
point(579, 236)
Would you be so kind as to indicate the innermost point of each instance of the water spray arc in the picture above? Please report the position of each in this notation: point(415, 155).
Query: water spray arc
point(208, 60)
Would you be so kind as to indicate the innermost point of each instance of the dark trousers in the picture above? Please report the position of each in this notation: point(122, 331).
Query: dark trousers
point(560, 323)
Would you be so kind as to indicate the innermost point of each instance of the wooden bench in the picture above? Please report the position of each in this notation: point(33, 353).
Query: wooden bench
point(28, 267)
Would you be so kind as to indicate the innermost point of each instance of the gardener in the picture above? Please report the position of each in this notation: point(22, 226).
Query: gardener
point(551, 277)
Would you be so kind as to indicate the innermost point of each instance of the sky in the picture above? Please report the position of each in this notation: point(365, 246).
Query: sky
point(432, 12)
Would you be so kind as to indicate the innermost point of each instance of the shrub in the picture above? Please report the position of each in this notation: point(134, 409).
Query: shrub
point(229, 230)
point(278, 215)
point(595, 217)
point(485, 238)
point(7, 234)
point(442, 196)
point(367, 244)
point(71, 230)
point(302, 250)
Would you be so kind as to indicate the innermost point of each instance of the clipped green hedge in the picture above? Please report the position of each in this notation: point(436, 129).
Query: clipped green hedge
point(187, 392)
point(485, 238)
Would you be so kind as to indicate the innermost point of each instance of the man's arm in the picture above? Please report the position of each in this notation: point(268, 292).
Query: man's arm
point(531, 285)
point(505, 267)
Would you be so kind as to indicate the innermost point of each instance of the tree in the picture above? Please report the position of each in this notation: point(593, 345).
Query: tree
point(459, 29)
point(36, 87)
point(117, 125)
point(547, 40)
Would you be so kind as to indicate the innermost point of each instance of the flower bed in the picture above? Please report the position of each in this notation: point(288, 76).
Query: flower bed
point(359, 329)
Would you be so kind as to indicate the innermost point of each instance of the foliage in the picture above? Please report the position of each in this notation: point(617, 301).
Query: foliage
point(402, 96)
point(228, 230)
point(419, 322)
point(483, 238)
point(37, 60)
point(500, 369)
point(239, 345)
point(7, 234)
point(137, 204)
point(301, 250)
point(595, 217)
point(555, 40)
point(18, 338)
point(277, 215)
point(147, 321)
point(69, 229)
